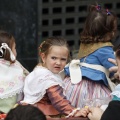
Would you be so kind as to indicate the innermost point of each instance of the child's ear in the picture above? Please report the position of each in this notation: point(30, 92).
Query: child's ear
point(42, 55)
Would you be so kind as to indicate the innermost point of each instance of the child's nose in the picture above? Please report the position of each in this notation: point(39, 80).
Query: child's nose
point(58, 62)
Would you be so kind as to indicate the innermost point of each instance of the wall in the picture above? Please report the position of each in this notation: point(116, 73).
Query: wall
point(20, 18)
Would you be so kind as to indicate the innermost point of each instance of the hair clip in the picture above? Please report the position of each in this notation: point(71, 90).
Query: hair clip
point(5, 46)
point(108, 12)
point(1, 50)
point(98, 7)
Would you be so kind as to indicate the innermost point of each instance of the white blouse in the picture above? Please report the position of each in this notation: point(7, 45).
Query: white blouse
point(37, 82)
point(11, 78)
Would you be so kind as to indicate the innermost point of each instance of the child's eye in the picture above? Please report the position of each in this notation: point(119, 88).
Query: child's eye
point(64, 59)
point(53, 58)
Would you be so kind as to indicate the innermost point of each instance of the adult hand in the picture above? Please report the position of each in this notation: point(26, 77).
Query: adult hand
point(112, 61)
point(95, 113)
point(114, 68)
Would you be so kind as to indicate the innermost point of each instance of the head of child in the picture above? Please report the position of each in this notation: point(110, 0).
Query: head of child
point(7, 46)
point(25, 112)
point(100, 25)
point(54, 53)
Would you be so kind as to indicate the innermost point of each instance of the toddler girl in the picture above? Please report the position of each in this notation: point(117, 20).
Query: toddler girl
point(90, 80)
point(44, 86)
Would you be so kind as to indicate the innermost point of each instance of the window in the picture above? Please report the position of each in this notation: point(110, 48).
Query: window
point(69, 0)
point(45, 34)
point(108, 6)
point(69, 32)
point(57, 0)
point(69, 20)
point(70, 9)
point(57, 10)
point(78, 42)
point(82, 19)
point(118, 15)
point(82, 8)
point(118, 5)
point(44, 1)
point(80, 30)
point(57, 22)
point(45, 11)
point(45, 22)
point(118, 27)
point(71, 42)
point(57, 33)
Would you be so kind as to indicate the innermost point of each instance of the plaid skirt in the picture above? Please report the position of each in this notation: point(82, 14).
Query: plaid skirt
point(87, 92)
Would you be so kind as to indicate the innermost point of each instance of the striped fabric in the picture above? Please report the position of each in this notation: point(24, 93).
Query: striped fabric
point(85, 92)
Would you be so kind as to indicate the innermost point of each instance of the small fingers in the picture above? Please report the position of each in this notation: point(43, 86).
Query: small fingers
point(84, 113)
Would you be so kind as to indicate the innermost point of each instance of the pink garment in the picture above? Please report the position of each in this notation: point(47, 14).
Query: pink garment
point(79, 93)
point(54, 102)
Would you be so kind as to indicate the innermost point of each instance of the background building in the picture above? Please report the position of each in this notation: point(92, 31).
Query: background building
point(31, 21)
point(66, 18)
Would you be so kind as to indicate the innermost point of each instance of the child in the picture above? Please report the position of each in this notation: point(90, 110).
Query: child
point(12, 73)
point(44, 87)
point(25, 112)
point(95, 49)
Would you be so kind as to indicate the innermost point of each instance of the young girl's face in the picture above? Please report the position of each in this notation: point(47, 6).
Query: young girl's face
point(56, 59)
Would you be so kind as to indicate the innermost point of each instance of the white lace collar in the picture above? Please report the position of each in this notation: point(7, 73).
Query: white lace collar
point(37, 82)
point(11, 79)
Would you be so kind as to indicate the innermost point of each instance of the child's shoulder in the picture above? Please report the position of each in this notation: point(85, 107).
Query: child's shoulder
point(42, 71)
point(105, 49)
point(104, 52)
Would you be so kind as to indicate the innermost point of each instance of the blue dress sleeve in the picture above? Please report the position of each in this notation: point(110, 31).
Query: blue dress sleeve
point(103, 54)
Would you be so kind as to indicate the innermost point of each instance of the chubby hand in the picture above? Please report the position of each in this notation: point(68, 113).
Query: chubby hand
point(82, 112)
point(95, 113)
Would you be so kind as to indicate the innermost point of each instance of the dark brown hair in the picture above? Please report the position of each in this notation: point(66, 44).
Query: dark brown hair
point(52, 41)
point(7, 38)
point(117, 53)
point(99, 26)
point(25, 112)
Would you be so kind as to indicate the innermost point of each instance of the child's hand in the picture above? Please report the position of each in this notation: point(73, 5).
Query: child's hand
point(82, 112)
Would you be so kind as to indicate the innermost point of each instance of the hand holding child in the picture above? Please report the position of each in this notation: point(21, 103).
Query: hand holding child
point(95, 113)
point(114, 68)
